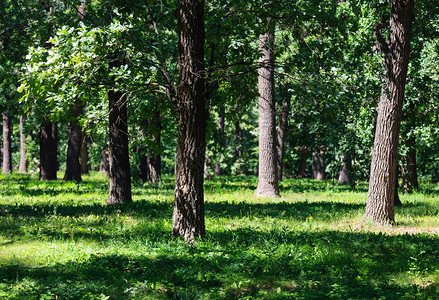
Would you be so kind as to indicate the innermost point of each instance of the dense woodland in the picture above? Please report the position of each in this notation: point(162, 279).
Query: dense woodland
point(196, 89)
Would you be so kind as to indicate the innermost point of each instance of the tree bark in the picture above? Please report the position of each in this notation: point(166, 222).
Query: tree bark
point(23, 163)
point(154, 159)
point(119, 162)
point(268, 181)
point(48, 150)
point(7, 141)
point(345, 172)
point(304, 154)
point(381, 195)
point(84, 158)
point(318, 166)
point(409, 170)
point(222, 142)
point(283, 123)
point(73, 166)
point(188, 214)
point(104, 165)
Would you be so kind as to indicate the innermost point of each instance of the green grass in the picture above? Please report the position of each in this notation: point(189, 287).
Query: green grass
point(60, 241)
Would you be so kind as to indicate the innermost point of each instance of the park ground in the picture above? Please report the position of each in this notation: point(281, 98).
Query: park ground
point(58, 240)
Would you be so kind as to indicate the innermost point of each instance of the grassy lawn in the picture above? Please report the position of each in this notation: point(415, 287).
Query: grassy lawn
point(60, 241)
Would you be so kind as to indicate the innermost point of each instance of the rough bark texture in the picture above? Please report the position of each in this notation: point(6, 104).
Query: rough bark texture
point(73, 166)
point(318, 166)
point(304, 154)
point(7, 138)
point(119, 162)
point(381, 195)
point(23, 163)
point(268, 181)
point(281, 130)
point(188, 214)
point(345, 172)
point(48, 150)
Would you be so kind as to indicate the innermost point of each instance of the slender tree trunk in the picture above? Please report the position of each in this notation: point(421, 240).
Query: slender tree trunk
point(143, 166)
point(7, 141)
point(222, 141)
point(84, 158)
point(154, 159)
point(409, 170)
point(268, 181)
point(318, 166)
point(73, 166)
point(48, 150)
point(381, 195)
point(119, 162)
point(188, 214)
point(23, 163)
point(304, 154)
point(283, 123)
point(345, 172)
point(104, 167)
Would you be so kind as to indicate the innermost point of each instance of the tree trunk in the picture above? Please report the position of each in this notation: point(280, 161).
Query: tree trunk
point(84, 158)
point(283, 123)
point(268, 181)
point(345, 172)
point(23, 163)
point(143, 167)
point(304, 154)
point(222, 141)
point(409, 170)
point(104, 167)
point(7, 140)
point(188, 214)
point(318, 166)
point(154, 159)
point(119, 162)
point(73, 166)
point(381, 195)
point(48, 150)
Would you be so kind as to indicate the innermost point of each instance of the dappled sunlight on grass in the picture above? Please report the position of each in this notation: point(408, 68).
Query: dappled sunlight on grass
point(308, 243)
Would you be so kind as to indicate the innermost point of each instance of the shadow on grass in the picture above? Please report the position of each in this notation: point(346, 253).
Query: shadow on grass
point(248, 263)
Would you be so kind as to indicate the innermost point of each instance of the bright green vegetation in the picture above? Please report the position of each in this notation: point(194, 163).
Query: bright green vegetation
point(60, 241)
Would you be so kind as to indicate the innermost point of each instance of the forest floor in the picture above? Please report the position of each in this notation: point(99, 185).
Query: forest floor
point(59, 240)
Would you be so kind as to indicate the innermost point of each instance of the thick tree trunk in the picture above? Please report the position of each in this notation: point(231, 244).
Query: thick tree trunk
point(381, 195)
point(48, 150)
point(222, 141)
point(345, 172)
point(119, 162)
point(281, 131)
point(188, 214)
point(7, 139)
point(23, 163)
point(318, 166)
point(268, 181)
point(304, 154)
point(143, 168)
point(73, 166)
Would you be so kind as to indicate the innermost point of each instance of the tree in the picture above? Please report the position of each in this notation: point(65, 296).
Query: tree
point(23, 163)
point(380, 198)
point(268, 177)
point(7, 136)
point(48, 150)
point(73, 166)
point(119, 162)
point(191, 107)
